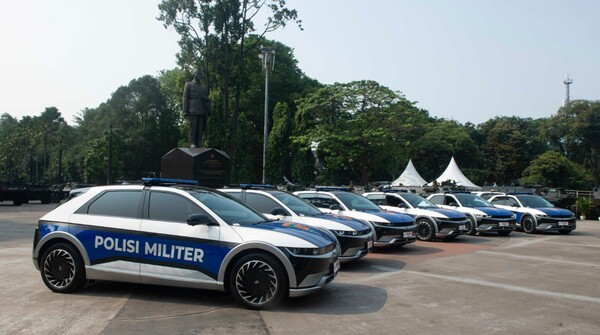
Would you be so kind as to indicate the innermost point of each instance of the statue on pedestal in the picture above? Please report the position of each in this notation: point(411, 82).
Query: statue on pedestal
point(196, 106)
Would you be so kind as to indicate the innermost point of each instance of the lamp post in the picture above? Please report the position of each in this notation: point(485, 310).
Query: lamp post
point(267, 60)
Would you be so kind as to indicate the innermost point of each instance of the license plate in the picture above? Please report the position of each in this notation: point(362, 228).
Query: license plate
point(370, 245)
point(408, 234)
point(503, 224)
point(336, 266)
point(563, 223)
point(462, 227)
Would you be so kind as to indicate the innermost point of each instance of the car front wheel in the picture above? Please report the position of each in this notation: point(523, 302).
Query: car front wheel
point(425, 230)
point(62, 268)
point(257, 281)
point(528, 224)
point(472, 225)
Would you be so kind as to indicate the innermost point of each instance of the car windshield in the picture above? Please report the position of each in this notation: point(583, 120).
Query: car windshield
point(418, 201)
point(296, 204)
point(229, 209)
point(533, 201)
point(357, 202)
point(472, 200)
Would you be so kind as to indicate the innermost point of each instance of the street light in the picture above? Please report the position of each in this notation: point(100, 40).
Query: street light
point(267, 60)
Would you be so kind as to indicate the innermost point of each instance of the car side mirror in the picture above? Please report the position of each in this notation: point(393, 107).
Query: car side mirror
point(401, 205)
point(452, 203)
point(278, 211)
point(336, 207)
point(200, 219)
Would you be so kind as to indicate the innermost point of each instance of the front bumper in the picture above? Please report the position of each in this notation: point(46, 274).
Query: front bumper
point(447, 228)
point(395, 235)
point(355, 247)
point(549, 223)
point(313, 272)
point(496, 224)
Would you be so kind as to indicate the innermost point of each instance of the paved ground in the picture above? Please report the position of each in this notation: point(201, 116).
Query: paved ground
point(520, 284)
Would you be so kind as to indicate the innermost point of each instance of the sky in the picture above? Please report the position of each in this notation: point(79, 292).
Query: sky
point(465, 60)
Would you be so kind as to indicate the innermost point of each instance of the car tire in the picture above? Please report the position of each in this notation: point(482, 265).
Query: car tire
point(425, 230)
point(504, 232)
point(528, 224)
point(565, 231)
point(258, 281)
point(472, 225)
point(62, 268)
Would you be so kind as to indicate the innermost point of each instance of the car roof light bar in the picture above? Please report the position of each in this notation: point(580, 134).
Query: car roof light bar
point(395, 191)
point(256, 186)
point(332, 188)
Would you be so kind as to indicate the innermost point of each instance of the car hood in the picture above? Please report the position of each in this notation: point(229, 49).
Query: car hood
point(554, 211)
point(495, 211)
point(451, 214)
point(391, 216)
point(296, 232)
point(344, 220)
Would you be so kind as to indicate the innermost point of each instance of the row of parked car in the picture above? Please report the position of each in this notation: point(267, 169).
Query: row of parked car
point(257, 242)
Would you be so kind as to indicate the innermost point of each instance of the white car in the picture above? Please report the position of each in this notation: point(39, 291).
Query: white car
point(168, 232)
point(391, 229)
point(355, 237)
point(483, 215)
point(535, 213)
point(432, 222)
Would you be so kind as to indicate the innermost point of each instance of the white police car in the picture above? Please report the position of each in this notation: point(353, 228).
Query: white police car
point(180, 235)
point(354, 236)
point(484, 216)
point(536, 213)
point(391, 229)
point(432, 221)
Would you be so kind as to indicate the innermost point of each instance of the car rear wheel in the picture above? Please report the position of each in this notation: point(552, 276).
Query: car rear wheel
point(62, 268)
point(528, 224)
point(257, 281)
point(425, 230)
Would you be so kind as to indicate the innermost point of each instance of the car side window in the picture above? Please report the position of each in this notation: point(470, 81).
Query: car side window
point(392, 200)
point(437, 199)
point(171, 207)
point(261, 203)
point(512, 202)
point(379, 199)
point(450, 201)
point(237, 195)
point(115, 203)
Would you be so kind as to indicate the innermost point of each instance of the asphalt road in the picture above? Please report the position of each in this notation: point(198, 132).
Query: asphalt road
point(490, 284)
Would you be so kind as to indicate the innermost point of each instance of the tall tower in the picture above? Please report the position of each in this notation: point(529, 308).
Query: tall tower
point(568, 81)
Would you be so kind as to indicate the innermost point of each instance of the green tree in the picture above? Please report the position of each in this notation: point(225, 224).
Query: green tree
point(353, 123)
point(503, 140)
point(555, 170)
point(277, 155)
point(575, 132)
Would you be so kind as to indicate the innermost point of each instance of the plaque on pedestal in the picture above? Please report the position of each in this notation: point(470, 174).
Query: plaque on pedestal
point(210, 167)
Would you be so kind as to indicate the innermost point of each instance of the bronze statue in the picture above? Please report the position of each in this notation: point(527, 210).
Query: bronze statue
point(196, 106)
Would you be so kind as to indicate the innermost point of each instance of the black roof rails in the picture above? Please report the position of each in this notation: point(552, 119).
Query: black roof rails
point(168, 181)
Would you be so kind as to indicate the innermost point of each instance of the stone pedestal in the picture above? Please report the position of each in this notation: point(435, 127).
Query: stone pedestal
point(210, 167)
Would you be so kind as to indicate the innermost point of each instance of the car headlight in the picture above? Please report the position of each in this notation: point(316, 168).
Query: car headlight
point(541, 215)
point(346, 232)
point(481, 215)
point(383, 224)
point(311, 251)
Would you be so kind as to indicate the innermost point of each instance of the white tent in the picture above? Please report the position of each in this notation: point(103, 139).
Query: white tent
point(452, 172)
point(410, 177)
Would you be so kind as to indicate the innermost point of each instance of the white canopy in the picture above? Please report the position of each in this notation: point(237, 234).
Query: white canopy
point(410, 177)
point(452, 172)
